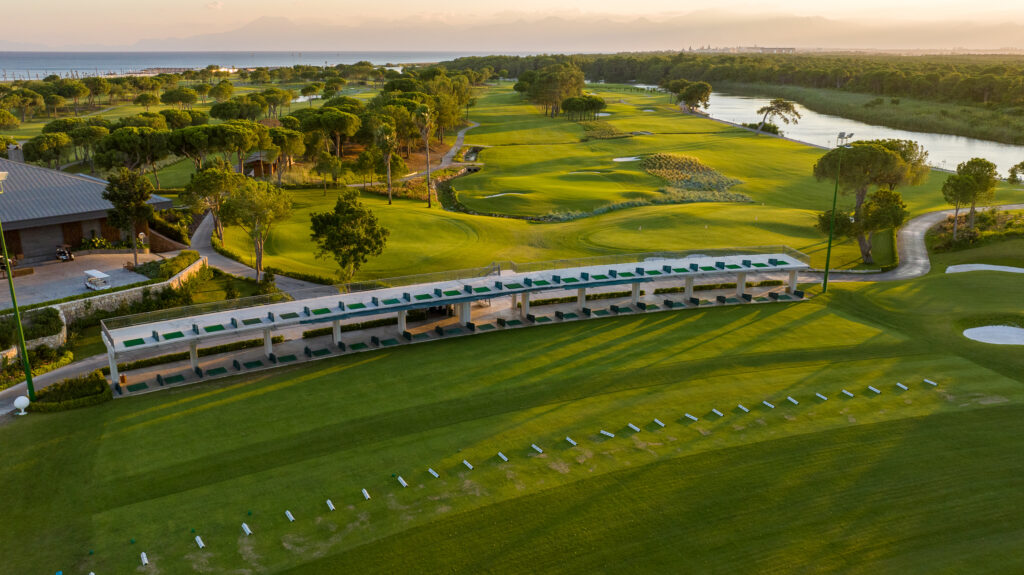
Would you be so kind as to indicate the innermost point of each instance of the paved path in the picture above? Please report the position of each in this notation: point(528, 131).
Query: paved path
point(296, 288)
point(447, 161)
point(53, 280)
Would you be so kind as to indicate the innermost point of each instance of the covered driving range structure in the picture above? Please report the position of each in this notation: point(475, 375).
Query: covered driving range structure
point(165, 331)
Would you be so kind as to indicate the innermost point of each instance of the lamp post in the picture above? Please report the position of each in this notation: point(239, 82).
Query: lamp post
point(14, 304)
point(841, 140)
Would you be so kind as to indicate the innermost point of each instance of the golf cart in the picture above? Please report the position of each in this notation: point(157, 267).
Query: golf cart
point(96, 280)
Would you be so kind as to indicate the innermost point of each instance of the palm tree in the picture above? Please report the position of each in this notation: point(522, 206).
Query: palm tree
point(425, 121)
point(385, 138)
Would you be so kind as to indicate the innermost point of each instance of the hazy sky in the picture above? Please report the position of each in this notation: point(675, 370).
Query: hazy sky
point(119, 23)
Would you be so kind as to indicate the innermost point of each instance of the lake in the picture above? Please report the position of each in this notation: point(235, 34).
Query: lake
point(821, 129)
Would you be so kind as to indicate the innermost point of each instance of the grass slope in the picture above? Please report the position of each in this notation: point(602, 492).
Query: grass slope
point(926, 480)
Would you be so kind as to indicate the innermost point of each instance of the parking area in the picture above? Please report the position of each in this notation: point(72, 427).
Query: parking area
point(56, 280)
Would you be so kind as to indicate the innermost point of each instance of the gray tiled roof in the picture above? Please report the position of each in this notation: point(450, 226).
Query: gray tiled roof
point(35, 196)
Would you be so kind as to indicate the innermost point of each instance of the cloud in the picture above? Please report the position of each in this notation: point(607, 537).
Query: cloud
point(218, 5)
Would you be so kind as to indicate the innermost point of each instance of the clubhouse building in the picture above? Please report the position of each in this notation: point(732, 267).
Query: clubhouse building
point(42, 209)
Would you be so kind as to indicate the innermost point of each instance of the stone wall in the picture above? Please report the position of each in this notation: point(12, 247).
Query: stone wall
point(56, 340)
point(160, 243)
point(78, 308)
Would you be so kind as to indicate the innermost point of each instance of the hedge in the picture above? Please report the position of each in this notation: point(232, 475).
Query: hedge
point(166, 269)
point(72, 393)
point(201, 352)
point(40, 323)
point(618, 294)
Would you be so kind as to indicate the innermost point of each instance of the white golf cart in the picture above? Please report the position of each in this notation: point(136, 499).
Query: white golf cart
point(96, 280)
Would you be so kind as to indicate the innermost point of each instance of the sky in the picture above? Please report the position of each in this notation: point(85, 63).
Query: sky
point(152, 24)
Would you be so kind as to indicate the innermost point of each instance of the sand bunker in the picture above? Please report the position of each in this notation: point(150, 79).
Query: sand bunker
point(982, 267)
point(602, 114)
point(584, 172)
point(997, 334)
point(503, 194)
point(648, 110)
point(626, 159)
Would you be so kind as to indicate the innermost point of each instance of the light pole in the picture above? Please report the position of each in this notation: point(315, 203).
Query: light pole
point(14, 303)
point(841, 140)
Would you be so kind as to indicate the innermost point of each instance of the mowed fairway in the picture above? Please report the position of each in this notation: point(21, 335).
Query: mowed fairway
point(923, 480)
point(530, 161)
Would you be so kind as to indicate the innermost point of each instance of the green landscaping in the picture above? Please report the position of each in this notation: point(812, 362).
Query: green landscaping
point(921, 480)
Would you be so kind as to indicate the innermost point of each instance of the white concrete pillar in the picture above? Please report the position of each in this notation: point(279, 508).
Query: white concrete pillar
point(792, 281)
point(268, 343)
point(465, 313)
point(193, 354)
point(113, 365)
point(741, 283)
point(689, 287)
point(513, 308)
point(336, 331)
point(581, 297)
point(401, 320)
point(636, 293)
point(526, 303)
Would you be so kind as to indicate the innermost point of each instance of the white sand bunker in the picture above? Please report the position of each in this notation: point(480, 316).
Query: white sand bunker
point(982, 267)
point(648, 110)
point(626, 159)
point(585, 172)
point(602, 114)
point(503, 194)
point(997, 334)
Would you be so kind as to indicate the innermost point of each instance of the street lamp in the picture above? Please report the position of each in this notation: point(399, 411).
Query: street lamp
point(841, 142)
point(14, 303)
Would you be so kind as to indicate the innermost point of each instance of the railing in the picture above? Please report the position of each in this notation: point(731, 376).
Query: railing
point(434, 277)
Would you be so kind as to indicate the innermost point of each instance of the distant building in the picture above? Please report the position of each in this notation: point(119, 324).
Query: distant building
point(745, 50)
point(43, 208)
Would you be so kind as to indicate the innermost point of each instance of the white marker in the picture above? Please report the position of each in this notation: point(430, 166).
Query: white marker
point(793, 401)
point(901, 386)
point(690, 417)
point(502, 456)
point(246, 530)
point(366, 495)
point(535, 448)
point(145, 560)
point(658, 421)
point(745, 410)
point(633, 427)
point(288, 514)
point(874, 389)
point(402, 482)
point(199, 542)
point(607, 433)
point(467, 464)
point(930, 382)
point(718, 413)
point(432, 472)
point(571, 442)
point(768, 404)
point(821, 397)
point(330, 505)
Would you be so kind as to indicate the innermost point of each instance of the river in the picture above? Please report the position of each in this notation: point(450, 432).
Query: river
point(821, 129)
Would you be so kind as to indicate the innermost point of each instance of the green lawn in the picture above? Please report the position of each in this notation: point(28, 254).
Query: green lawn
point(924, 480)
point(530, 161)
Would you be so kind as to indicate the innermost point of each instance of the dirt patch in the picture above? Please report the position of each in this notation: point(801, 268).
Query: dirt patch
point(246, 548)
point(200, 561)
point(559, 466)
point(473, 488)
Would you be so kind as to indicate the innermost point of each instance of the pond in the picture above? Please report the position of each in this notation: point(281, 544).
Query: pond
point(944, 151)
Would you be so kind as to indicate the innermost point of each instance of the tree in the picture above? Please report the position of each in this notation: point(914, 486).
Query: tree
point(8, 121)
point(73, 89)
point(209, 188)
point(1013, 177)
point(203, 90)
point(54, 102)
point(384, 137)
point(88, 138)
point(181, 97)
point(694, 96)
point(222, 91)
point(146, 99)
point(425, 123)
point(24, 100)
point(958, 190)
point(350, 233)
point(883, 210)
point(985, 177)
point(255, 207)
point(863, 165)
point(129, 192)
point(290, 143)
point(195, 142)
point(310, 90)
point(778, 108)
point(97, 87)
point(241, 136)
point(340, 125)
point(47, 148)
point(327, 165)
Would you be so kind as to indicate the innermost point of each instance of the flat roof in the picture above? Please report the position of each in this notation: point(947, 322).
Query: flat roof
point(393, 299)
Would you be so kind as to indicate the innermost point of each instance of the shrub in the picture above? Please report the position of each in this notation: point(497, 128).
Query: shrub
point(267, 284)
point(37, 323)
point(768, 128)
point(172, 223)
point(71, 393)
point(874, 102)
point(312, 278)
point(687, 173)
point(166, 269)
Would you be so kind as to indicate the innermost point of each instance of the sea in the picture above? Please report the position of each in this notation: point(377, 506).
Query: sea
point(37, 65)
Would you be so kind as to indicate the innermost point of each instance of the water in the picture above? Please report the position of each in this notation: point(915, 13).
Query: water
point(36, 65)
point(821, 129)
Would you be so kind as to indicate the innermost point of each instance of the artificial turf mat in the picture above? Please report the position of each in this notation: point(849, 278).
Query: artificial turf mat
point(213, 328)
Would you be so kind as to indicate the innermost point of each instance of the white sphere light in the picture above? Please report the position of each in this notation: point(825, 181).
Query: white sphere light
point(21, 402)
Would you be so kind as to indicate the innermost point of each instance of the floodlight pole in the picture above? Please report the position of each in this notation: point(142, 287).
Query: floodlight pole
point(835, 195)
point(14, 303)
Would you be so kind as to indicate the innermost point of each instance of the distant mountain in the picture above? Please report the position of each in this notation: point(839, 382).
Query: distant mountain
point(599, 34)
